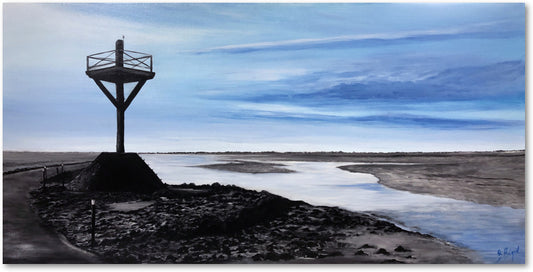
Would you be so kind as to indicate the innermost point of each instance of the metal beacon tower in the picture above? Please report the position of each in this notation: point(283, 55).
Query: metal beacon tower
point(120, 66)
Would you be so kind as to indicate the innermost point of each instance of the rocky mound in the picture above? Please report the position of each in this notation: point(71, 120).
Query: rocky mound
point(227, 224)
point(117, 172)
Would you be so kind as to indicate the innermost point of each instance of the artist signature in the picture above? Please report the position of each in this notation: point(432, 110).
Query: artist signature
point(506, 253)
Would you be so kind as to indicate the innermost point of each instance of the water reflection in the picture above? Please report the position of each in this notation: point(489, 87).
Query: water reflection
point(484, 228)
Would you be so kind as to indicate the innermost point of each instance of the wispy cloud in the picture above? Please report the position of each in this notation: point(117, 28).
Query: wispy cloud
point(483, 30)
point(494, 81)
point(397, 120)
point(266, 74)
point(294, 110)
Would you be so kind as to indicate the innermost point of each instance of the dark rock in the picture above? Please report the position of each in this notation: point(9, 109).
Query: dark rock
point(309, 253)
point(272, 256)
point(170, 259)
point(286, 256)
point(257, 257)
point(335, 253)
point(392, 261)
point(189, 259)
point(382, 251)
point(130, 258)
point(360, 253)
point(402, 249)
point(367, 246)
point(211, 224)
point(268, 208)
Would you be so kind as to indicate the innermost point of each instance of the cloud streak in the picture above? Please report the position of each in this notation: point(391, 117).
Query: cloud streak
point(397, 120)
point(484, 30)
point(494, 81)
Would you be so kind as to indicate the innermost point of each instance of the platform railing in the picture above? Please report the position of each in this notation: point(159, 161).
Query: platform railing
point(131, 59)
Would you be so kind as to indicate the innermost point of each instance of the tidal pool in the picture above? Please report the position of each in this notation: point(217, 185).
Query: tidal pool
point(497, 234)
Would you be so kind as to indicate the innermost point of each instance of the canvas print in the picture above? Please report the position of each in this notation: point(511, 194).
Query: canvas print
point(264, 133)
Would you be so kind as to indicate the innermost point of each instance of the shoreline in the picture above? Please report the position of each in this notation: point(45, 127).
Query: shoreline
point(335, 251)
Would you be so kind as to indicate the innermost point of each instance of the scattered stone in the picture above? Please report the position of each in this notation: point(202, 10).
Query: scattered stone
point(382, 251)
point(392, 261)
point(335, 253)
point(401, 249)
point(367, 246)
point(257, 257)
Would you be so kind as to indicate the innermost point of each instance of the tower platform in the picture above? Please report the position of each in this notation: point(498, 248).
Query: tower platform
point(117, 74)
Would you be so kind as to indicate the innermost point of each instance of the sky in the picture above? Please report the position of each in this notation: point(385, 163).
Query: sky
point(270, 77)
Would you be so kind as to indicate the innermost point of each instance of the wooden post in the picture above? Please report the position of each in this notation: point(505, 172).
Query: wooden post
point(62, 178)
point(119, 62)
point(93, 221)
point(45, 177)
point(119, 53)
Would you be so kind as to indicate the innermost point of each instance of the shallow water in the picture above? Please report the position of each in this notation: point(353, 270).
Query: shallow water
point(497, 234)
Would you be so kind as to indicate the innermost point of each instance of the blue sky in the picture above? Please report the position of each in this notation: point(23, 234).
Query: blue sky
point(283, 77)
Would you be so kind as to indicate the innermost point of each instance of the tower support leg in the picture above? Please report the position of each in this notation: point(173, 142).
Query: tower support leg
point(120, 117)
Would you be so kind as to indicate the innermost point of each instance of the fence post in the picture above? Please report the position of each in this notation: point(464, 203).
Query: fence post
point(93, 221)
point(45, 177)
point(62, 178)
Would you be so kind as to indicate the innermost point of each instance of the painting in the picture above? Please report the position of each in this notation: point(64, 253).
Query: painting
point(264, 133)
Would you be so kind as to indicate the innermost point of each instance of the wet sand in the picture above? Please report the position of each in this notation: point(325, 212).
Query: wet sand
point(494, 178)
point(249, 167)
